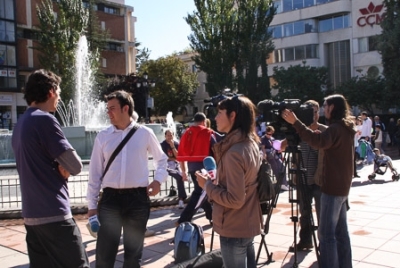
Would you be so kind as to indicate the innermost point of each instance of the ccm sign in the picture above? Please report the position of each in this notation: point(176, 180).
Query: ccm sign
point(370, 16)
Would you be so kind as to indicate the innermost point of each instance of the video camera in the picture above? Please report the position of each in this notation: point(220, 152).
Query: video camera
point(216, 99)
point(272, 111)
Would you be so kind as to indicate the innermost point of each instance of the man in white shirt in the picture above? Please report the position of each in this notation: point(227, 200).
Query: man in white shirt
point(366, 129)
point(125, 202)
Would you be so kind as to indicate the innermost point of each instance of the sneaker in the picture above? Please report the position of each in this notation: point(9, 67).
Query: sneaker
point(149, 233)
point(181, 204)
point(284, 188)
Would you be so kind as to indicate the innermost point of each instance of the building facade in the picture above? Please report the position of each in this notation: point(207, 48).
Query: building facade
point(338, 34)
point(18, 59)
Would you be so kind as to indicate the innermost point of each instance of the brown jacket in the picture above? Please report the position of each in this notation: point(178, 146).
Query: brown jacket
point(236, 207)
point(337, 142)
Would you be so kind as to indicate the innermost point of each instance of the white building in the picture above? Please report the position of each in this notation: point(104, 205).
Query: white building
point(338, 34)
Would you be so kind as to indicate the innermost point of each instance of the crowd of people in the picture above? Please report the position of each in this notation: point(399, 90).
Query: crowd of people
point(45, 159)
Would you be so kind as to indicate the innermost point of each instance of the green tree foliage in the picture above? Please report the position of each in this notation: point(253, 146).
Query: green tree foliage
point(233, 35)
point(175, 84)
point(213, 35)
point(364, 92)
point(142, 55)
point(59, 35)
point(300, 82)
point(254, 44)
point(389, 48)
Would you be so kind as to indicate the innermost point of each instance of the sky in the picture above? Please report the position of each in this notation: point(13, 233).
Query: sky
point(160, 25)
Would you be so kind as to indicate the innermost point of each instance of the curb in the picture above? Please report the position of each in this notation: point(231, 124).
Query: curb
point(82, 209)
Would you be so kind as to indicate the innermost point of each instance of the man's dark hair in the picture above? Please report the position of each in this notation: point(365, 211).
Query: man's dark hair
point(40, 82)
point(124, 98)
point(199, 117)
point(341, 109)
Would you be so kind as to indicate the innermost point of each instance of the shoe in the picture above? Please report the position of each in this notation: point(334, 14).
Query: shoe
point(301, 247)
point(149, 233)
point(181, 204)
point(284, 188)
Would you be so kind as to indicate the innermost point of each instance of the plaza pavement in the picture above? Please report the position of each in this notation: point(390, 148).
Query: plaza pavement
point(373, 219)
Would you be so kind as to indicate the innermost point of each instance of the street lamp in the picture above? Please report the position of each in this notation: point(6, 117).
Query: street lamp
point(144, 82)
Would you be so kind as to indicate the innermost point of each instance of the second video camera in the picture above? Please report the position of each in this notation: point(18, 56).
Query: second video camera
point(272, 111)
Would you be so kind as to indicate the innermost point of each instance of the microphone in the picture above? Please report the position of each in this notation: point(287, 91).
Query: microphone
point(93, 225)
point(210, 167)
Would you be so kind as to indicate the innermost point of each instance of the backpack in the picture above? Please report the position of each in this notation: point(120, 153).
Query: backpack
point(188, 242)
point(265, 187)
point(195, 144)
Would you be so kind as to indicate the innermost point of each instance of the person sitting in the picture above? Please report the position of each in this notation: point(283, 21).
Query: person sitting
point(170, 148)
point(274, 156)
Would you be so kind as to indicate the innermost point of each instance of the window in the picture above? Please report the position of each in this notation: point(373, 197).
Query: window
point(339, 62)
point(288, 28)
point(289, 54)
point(296, 53)
point(362, 44)
point(334, 23)
point(278, 55)
point(7, 9)
point(373, 42)
point(366, 44)
point(8, 78)
point(297, 4)
point(311, 51)
point(287, 5)
point(103, 25)
point(104, 63)
point(299, 53)
point(111, 10)
point(277, 31)
point(298, 27)
point(7, 55)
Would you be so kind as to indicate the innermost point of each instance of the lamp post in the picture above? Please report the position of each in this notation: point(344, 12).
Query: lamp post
point(145, 83)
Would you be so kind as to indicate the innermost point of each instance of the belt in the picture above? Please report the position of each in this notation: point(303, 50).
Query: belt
point(125, 190)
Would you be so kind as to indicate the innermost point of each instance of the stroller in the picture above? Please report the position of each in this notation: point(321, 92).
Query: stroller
point(381, 164)
point(365, 151)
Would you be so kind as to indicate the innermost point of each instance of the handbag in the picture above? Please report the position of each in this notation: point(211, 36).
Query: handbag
point(116, 152)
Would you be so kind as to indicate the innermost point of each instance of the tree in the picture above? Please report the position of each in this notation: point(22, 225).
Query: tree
point(254, 44)
point(389, 48)
point(364, 91)
point(233, 35)
point(213, 33)
point(142, 55)
point(300, 82)
point(175, 84)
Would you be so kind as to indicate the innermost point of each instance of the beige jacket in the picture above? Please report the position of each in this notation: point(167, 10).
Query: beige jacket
point(236, 207)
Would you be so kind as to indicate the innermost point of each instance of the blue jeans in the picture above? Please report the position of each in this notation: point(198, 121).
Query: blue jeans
point(122, 209)
point(334, 240)
point(238, 252)
point(189, 211)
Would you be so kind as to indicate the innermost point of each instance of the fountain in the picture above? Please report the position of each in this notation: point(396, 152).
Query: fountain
point(85, 116)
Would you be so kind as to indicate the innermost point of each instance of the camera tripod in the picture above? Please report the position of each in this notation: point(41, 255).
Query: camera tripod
point(297, 176)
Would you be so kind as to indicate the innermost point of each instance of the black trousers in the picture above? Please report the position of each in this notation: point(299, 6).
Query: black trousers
point(57, 244)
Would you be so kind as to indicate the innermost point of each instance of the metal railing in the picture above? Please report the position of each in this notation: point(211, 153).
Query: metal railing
point(10, 192)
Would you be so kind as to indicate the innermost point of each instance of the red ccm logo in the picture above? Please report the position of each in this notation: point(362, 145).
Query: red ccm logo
point(370, 15)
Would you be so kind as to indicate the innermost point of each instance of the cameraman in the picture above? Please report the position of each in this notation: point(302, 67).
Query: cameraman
point(311, 187)
point(337, 142)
